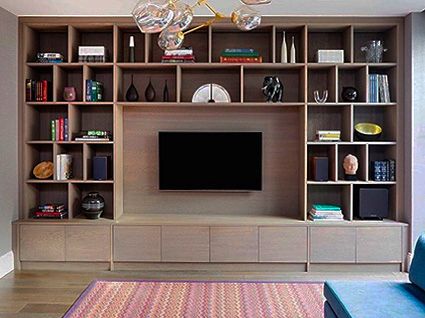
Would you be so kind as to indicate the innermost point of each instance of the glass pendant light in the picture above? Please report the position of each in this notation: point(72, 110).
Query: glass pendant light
point(152, 16)
point(183, 16)
point(255, 2)
point(169, 40)
point(246, 18)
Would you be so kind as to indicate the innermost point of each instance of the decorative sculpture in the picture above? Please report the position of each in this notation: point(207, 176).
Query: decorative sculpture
point(273, 89)
point(351, 164)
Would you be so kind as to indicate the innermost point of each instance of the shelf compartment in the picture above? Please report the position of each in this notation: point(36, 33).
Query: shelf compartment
point(352, 77)
point(90, 117)
point(41, 72)
point(76, 151)
point(298, 32)
point(387, 34)
point(124, 33)
point(383, 116)
point(329, 39)
point(142, 76)
point(227, 76)
point(329, 118)
point(53, 38)
point(260, 39)
point(391, 72)
point(331, 194)
point(381, 152)
point(38, 121)
point(34, 154)
point(92, 150)
point(92, 36)
point(360, 152)
point(44, 193)
point(68, 76)
point(322, 77)
point(198, 40)
point(101, 73)
point(392, 198)
point(291, 78)
point(328, 151)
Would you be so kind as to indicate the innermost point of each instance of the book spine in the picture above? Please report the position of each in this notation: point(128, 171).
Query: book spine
point(45, 91)
point(88, 90)
point(99, 91)
point(28, 90)
point(392, 170)
point(93, 91)
point(61, 129)
point(386, 89)
point(57, 133)
point(224, 59)
point(53, 129)
point(66, 129)
point(58, 167)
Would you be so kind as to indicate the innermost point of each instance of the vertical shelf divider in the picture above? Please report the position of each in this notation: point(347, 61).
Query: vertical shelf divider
point(242, 83)
point(116, 43)
point(349, 43)
point(305, 38)
point(178, 83)
point(334, 160)
point(210, 41)
point(73, 38)
point(273, 44)
point(366, 159)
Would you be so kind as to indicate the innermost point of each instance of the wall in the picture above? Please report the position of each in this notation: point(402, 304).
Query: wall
point(8, 128)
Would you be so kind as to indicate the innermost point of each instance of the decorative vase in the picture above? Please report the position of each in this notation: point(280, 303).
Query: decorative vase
point(150, 92)
point(132, 95)
point(293, 51)
point(93, 205)
point(69, 94)
point(131, 50)
point(165, 94)
point(349, 94)
point(284, 49)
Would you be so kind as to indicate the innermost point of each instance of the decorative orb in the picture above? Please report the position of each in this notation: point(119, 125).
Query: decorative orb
point(246, 18)
point(183, 16)
point(153, 16)
point(255, 2)
point(169, 40)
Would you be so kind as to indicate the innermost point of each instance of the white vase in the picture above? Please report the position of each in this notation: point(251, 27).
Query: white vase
point(293, 51)
point(284, 49)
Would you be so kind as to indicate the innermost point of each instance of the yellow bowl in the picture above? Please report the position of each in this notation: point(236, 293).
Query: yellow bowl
point(368, 131)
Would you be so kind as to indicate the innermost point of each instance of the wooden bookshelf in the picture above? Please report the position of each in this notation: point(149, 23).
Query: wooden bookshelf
point(131, 196)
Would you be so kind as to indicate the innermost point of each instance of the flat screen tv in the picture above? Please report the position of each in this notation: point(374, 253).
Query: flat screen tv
point(210, 161)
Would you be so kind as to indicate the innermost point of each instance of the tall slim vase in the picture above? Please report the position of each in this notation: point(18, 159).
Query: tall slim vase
point(284, 49)
point(293, 51)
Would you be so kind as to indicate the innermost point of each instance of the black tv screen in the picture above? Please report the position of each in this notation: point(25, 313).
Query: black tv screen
point(215, 161)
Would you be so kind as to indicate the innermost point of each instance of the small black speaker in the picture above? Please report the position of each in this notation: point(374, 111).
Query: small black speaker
point(320, 168)
point(372, 203)
point(101, 168)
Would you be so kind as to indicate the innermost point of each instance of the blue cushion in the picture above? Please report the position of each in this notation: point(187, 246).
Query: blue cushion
point(417, 269)
point(329, 313)
point(350, 299)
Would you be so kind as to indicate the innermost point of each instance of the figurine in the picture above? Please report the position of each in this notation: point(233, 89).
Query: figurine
point(351, 164)
point(273, 89)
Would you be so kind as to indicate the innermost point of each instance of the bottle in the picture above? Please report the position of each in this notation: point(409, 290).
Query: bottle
point(131, 52)
point(284, 49)
point(293, 52)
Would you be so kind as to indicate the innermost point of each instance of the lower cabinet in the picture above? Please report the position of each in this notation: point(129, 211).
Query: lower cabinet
point(379, 245)
point(42, 243)
point(332, 244)
point(88, 243)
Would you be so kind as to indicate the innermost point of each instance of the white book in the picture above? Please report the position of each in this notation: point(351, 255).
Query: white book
point(58, 167)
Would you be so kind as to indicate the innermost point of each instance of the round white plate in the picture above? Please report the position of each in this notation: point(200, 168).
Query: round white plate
point(219, 94)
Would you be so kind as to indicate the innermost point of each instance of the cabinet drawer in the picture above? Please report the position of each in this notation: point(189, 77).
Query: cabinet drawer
point(185, 244)
point(137, 243)
point(234, 244)
point(88, 243)
point(332, 245)
point(379, 244)
point(42, 243)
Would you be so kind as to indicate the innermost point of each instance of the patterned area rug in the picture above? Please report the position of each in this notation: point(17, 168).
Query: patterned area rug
point(131, 299)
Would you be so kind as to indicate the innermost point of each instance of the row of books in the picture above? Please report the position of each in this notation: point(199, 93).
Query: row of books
point(240, 56)
point(325, 212)
point(37, 91)
point(328, 135)
point(59, 129)
point(48, 57)
point(184, 55)
point(92, 54)
point(383, 170)
point(379, 91)
point(94, 91)
point(94, 135)
point(56, 211)
point(63, 167)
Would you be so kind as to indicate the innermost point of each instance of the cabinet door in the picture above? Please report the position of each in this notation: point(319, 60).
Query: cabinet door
point(88, 243)
point(42, 243)
point(379, 244)
point(185, 244)
point(137, 243)
point(283, 244)
point(234, 244)
point(332, 245)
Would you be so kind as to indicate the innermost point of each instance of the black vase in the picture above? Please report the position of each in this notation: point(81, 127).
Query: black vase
point(132, 95)
point(150, 92)
point(93, 205)
point(165, 94)
point(349, 94)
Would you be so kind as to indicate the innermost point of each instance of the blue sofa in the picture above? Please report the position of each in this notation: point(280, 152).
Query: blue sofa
point(354, 299)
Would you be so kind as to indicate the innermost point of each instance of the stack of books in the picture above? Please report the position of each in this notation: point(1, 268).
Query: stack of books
point(94, 135)
point(64, 167)
point(59, 129)
point(383, 170)
point(91, 54)
point(328, 135)
point(49, 58)
point(37, 91)
point(379, 91)
point(184, 55)
point(55, 211)
point(240, 56)
point(325, 212)
point(94, 91)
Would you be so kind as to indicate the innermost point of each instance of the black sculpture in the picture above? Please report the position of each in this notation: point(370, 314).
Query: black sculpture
point(273, 89)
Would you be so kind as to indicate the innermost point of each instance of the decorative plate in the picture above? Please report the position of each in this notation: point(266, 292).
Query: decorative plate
point(211, 93)
point(43, 170)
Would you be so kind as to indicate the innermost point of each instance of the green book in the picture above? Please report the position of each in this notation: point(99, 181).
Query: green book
point(326, 207)
point(226, 54)
point(94, 91)
point(53, 129)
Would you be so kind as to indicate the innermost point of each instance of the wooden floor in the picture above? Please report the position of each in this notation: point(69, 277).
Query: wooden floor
point(48, 294)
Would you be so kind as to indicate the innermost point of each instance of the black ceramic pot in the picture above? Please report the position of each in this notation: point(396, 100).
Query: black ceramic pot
point(93, 205)
point(349, 94)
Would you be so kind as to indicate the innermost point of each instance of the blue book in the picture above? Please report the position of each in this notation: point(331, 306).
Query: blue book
point(88, 90)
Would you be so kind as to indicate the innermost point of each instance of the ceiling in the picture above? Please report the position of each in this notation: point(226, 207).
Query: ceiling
point(278, 7)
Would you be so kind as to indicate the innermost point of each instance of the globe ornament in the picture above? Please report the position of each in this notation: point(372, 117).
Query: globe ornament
point(153, 16)
point(255, 2)
point(183, 16)
point(246, 18)
point(169, 40)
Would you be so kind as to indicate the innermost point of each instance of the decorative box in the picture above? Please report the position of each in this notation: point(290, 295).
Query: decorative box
point(330, 56)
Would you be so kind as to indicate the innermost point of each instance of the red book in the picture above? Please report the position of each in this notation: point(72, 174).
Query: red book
point(225, 59)
point(61, 129)
point(38, 90)
point(178, 57)
point(44, 93)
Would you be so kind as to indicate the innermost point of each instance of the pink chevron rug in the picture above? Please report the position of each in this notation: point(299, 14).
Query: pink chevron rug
point(153, 299)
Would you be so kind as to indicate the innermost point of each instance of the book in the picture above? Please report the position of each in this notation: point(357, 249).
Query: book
point(66, 129)
point(57, 130)
point(53, 129)
point(240, 52)
point(88, 90)
point(61, 127)
point(326, 207)
point(50, 215)
point(182, 51)
point(224, 59)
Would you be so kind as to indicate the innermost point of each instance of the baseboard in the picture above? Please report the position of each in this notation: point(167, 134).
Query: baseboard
point(6, 264)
